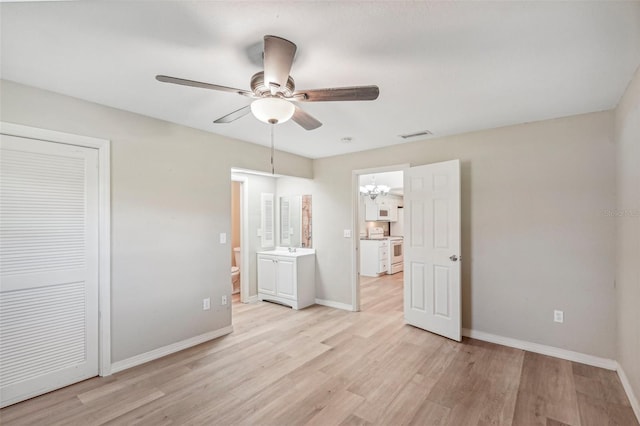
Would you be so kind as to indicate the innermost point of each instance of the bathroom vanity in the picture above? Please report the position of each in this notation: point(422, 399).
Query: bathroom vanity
point(287, 276)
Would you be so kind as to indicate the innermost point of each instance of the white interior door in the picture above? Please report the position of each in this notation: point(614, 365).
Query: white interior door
point(48, 266)
point(432, 248)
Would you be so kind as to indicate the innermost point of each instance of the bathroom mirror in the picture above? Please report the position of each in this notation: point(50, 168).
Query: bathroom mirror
point(295, 221)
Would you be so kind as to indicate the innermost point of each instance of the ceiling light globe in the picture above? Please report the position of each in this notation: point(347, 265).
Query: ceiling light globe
point(272, 110)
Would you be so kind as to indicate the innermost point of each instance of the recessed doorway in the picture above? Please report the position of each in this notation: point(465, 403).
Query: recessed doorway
point(378, 194)
point(431, 242)
point(238, 252)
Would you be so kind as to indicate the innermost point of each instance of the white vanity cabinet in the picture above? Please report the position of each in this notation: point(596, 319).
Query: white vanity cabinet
point(287, 278)
point(374, 257)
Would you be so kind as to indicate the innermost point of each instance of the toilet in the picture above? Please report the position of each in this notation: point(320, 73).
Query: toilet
point(235, 272)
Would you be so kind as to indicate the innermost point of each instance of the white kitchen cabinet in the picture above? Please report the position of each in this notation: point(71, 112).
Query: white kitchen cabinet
point(374, 257)
point(287, 278)
point(370, 209)
point(393, 210)
point(382, 209)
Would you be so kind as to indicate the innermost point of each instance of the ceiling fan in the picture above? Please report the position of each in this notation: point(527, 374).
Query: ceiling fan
point(273, 89)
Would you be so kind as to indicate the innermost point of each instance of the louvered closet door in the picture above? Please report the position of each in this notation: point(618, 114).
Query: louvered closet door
point(48, 266)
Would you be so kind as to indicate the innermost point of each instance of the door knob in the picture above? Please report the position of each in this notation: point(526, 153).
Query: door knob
point(453, 258)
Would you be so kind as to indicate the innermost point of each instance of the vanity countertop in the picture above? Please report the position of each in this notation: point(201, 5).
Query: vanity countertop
point(284, 251)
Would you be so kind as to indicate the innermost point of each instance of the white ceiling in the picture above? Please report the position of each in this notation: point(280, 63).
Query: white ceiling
point(444, 66)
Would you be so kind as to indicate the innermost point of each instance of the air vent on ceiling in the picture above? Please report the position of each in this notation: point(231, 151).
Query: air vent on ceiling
point(416, 134)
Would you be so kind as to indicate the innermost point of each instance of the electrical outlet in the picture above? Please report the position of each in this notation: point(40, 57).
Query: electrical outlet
point(206, 304)
point(224, 300)
point(558, 316)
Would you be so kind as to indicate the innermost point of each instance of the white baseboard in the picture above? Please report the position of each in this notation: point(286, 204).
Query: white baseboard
point(252, 299)
point(169, 349)
point(332, 304)
point(595, 361)
point(633, 400)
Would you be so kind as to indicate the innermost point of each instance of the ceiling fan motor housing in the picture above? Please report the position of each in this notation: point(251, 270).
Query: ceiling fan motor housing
point(259, 87)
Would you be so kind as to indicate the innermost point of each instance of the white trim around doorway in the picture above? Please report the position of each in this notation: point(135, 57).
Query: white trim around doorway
point(244, 237)
point(355, 246)
point(104, 223)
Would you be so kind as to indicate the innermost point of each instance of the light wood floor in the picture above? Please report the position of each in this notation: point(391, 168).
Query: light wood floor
point(324, 366)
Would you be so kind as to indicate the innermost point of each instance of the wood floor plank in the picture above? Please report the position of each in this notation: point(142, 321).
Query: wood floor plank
point(380, 386)
point(323, 366)
point(547, 390)
point(600, 397)
point(405, 405)
point(337, 410)
point(269, 409)
point(552, 422)
point(308, 404)
point(29, 412)
point(113, 410)
point(354, 420)
point(431, 413)
point(60, 410)
point(480, 385)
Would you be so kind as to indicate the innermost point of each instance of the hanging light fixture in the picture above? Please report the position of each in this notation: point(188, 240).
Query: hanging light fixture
point(374, 190)
point(272, 110)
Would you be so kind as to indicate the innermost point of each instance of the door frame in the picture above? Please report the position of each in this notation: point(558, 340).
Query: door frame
point(355, 240)
point(244, 236)
point(104, 223)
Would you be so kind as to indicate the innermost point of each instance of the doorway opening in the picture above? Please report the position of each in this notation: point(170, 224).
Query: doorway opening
point(431, 246)
point(239, 244)
point(378, 240)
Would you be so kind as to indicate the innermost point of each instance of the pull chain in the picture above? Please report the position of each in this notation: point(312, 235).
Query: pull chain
point(272, 149)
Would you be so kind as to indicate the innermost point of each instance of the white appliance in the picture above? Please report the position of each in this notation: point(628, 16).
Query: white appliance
point(383, 213)
point(397, 227)
point(375, 233)
point(396, 256)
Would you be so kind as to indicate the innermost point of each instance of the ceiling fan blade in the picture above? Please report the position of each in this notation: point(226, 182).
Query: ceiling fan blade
point(234, 115)
point(185, 82)
point(356, 93)
point(278, 59)
point(304, 119)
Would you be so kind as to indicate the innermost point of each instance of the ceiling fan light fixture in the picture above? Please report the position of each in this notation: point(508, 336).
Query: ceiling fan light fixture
point(274, 88)
point(272, 110)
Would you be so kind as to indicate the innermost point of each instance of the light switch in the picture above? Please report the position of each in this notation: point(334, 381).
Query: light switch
point(558, 316)
point(347, 233)
point(223, 238)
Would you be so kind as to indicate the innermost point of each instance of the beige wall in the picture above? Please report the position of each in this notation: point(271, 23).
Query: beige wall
point(627, 136)
point(170, 200)
point(534, 235)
